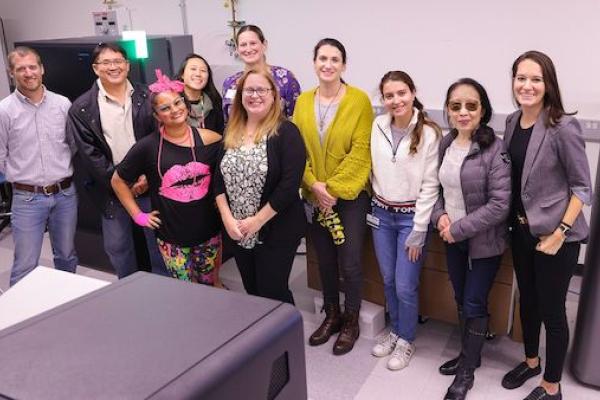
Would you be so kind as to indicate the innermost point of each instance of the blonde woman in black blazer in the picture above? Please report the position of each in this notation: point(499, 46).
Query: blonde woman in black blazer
point(551, 183)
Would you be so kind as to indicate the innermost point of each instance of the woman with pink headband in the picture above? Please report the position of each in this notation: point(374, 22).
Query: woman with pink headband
point(178, 162)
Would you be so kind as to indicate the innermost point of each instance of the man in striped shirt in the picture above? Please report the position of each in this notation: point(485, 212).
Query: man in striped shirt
point(35, 157)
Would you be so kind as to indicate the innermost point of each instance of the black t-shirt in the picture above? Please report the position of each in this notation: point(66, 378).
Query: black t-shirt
point(518, 151)
point(187, 207)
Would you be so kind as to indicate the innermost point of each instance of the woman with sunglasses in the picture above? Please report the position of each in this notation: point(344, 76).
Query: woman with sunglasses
point(179, 162)
point(404, 177)
point(252, 47)
point(551, 183)
point(256, 186)
point(335, 120)
point(201, 96)
point(470, 215)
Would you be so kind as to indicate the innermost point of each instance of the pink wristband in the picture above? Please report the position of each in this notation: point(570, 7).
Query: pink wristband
point(142, 219)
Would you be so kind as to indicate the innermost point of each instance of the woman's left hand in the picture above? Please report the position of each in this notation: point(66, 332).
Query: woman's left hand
point(249, 226)
point(446, 235)
point(552, 243)
point(414, 253)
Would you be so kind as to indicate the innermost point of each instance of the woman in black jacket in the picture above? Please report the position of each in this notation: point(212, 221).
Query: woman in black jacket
point(257, 187)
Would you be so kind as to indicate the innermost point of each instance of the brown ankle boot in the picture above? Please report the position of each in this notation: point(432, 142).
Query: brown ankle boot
point(331, 325)
point(348, 335)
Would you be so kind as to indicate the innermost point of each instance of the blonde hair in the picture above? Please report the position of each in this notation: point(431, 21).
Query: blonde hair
point(238, 117)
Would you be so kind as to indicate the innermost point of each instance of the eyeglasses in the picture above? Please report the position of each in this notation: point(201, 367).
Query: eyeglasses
point(165, 108)
point(107, 63)
point(456, 106)
point(260, 91)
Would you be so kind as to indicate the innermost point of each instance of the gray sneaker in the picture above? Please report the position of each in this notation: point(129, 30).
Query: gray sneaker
point(401, 355)
point(386, 345)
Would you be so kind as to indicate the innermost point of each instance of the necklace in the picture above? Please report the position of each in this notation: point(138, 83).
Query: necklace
point(160, 147)
point(322, 117)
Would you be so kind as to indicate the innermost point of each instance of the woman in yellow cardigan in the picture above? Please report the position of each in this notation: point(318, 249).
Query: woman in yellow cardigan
point(335, 121)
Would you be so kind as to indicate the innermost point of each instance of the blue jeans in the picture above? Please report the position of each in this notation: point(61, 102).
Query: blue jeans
point(117, 233)
point(472, 279)
point(31, 214)
point(400, 275)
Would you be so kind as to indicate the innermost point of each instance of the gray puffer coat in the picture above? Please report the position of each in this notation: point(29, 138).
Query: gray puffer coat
point(486, 185)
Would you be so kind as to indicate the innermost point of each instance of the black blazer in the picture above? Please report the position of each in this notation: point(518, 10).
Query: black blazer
point(286, 159)
point(93, 163)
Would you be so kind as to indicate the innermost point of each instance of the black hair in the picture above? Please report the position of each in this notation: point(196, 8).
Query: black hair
point(210, 89)
point(483, 135)
point(117, 48)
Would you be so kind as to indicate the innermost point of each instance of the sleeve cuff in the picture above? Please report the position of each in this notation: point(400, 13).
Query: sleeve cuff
point(584, 194)
point(416, 239)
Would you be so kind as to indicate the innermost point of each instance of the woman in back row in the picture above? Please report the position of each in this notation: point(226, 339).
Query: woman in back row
point(252, 46)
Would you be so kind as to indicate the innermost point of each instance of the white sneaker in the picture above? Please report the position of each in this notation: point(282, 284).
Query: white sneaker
point(386, 345)
point(401, 355)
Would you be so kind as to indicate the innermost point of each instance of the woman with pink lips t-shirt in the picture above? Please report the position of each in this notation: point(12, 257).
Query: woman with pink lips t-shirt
point(178, 162)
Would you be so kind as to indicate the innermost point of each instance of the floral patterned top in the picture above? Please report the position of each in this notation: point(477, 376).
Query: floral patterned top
point(244, 173)
point(289, 90)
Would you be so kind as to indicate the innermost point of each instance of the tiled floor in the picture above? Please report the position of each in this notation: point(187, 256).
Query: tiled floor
point(358, 375)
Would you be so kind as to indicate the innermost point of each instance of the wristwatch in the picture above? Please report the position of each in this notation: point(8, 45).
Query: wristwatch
point(564, 228)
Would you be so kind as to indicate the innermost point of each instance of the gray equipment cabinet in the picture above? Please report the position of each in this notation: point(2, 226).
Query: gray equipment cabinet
point(152, 337)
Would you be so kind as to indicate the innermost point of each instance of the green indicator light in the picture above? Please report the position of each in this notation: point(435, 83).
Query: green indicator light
point(139, 39)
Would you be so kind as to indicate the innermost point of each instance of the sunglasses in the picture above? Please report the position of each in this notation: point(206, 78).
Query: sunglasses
point(165, 108)
point(456, 106)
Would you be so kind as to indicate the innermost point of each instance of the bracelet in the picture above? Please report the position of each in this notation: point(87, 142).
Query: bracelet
point(565, 224)
point(141, 219)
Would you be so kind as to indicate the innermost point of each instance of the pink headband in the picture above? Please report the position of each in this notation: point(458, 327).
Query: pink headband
point(164, 84)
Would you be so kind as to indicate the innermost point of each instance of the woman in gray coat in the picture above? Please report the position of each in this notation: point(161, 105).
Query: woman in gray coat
point(551, 182)
point(471, 217)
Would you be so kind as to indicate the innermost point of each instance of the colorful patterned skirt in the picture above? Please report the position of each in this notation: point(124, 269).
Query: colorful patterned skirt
point(193, 264)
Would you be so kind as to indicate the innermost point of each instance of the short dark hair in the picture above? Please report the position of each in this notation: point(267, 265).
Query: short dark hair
point(330, 42)
point(552, 97)
point(209, 89)
point(250, 28)
point(484, 135)
point(117, 48)
point(22, 51)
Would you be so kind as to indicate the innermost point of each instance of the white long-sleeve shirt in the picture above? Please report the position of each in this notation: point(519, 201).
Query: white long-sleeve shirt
point(412, 177)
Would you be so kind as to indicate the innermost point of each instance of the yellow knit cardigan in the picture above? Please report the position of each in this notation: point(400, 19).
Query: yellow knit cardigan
point(343, 162)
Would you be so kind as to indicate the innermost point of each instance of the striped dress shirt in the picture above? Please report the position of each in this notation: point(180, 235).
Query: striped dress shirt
point(33, 145)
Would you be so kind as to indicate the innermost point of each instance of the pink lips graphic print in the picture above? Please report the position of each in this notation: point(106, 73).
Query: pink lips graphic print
point(174, 188)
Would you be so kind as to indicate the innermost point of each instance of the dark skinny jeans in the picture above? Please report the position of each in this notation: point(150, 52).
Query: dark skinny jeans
point(543, 283)
point(346, 257)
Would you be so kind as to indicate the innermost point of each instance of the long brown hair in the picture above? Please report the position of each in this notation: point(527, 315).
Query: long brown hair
point(552, 99)
point(238, 117)
point(422, 119)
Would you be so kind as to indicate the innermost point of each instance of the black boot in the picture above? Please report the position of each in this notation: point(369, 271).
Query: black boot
point(475, 331)
point(331, 325)
point(451, 366)
point(348, 334)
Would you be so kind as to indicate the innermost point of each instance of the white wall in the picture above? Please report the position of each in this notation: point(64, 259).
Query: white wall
point(435, 41)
